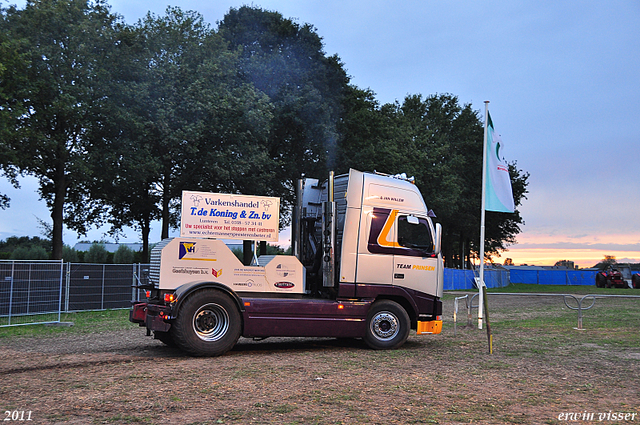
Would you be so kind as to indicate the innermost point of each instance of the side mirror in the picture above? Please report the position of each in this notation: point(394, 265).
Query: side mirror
point(438, 244)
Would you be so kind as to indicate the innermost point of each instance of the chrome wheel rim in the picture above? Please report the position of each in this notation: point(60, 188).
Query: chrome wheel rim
point(211, 322)
point(384, 325)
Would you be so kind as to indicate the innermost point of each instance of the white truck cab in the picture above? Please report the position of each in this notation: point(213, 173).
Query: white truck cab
point(366, 264)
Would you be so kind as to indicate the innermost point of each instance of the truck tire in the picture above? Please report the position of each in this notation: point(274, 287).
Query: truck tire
point(601, 280)
point(208, 324)
point(387, 325)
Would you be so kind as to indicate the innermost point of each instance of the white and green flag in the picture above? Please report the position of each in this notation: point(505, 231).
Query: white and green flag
point(498, 195)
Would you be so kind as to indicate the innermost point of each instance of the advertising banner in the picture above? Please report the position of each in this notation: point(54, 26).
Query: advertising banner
point(225, 216)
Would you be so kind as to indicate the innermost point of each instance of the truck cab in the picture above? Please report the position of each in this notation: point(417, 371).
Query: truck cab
point(366, 264)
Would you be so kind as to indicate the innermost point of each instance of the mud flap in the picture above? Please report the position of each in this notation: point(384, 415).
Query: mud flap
point(157, 323)
point(139, 313)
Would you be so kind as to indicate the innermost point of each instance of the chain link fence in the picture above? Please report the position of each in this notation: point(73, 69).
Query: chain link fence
point(38, 292)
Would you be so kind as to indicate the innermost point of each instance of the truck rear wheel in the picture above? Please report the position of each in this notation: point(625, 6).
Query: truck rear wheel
point(208, 324)
point(387, 325)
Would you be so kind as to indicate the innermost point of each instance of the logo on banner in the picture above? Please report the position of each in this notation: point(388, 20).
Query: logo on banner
point(186, 248)
point(216, 273)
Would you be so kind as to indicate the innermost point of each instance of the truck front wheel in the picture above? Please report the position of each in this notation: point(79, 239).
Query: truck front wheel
point(208, 324)
point(387, 325)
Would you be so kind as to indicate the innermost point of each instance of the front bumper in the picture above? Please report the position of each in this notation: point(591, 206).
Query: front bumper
point(431, 327)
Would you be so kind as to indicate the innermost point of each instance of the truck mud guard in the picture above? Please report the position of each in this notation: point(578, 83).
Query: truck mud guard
point(183, 291)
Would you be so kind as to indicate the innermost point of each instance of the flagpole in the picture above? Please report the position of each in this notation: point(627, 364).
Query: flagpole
point(481, 286)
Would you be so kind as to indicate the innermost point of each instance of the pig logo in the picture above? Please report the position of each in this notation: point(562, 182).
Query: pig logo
point(196, 200)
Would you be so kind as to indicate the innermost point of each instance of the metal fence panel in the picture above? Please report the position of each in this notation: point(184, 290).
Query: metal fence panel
point(101, 286)
point(30, 292)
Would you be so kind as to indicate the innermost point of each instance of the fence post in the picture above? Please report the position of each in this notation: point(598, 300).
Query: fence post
point(134, 287)
point(102, 295)
point(60, 290)
point(67, 288)
point(29, 289)
point(13, 271)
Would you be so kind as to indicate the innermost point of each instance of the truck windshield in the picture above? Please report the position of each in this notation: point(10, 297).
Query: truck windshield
point(415, 236)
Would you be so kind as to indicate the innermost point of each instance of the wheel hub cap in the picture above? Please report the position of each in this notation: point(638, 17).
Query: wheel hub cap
point(384, 325)
point(211, 322)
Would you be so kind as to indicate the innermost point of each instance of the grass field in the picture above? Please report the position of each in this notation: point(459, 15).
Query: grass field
point(104, 370)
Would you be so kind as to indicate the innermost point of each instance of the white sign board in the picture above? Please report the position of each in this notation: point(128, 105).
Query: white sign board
point(219, 215)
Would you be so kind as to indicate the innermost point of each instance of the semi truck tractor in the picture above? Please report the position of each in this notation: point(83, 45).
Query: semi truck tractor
point(366, 263)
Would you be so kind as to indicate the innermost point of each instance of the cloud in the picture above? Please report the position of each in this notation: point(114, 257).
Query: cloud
point(581, 246)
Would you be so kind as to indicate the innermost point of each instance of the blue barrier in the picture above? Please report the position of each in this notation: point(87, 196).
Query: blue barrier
point(581, 277)
point(554, 277)
point(455, 279)
point(529, 277)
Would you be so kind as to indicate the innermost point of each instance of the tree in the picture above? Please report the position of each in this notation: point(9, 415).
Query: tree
point(62, 43)
point(18, 248)
point(30, 253)
point(608, 261)
point(286, 61)
point(124, 255)
point(179, 118)
point(12, 65)
point(438, 142)
point(70, 255)
point(370, 135)
point(97, 254)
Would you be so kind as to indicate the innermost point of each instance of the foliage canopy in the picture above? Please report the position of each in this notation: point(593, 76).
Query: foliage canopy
point(116, 120)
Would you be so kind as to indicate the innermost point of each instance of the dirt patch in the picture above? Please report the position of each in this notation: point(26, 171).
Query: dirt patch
point(534, 376)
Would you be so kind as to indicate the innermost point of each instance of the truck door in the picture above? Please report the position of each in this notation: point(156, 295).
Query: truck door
point(375, 255)
point(414, 260)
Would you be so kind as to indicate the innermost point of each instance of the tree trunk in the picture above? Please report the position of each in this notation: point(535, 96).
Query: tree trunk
point(166, 199)
point(146, 229)
point(461, 247)
point(57, 212)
